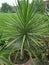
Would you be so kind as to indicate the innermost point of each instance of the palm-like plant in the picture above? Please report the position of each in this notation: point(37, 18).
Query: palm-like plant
point(25, 26)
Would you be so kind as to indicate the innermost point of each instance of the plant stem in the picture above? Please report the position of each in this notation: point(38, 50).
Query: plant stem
point(22, 50)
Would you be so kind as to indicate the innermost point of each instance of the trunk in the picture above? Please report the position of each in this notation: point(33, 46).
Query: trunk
point(21, 54)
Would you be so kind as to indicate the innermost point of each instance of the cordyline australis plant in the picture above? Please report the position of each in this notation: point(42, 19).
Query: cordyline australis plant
point(25, 25)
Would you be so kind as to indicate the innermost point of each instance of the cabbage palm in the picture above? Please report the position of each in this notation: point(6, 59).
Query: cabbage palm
point(26, 26)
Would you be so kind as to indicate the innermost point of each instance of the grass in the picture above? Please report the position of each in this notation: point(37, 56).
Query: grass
point(3, 14)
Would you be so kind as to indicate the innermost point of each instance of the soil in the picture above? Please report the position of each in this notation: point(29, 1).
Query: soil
point(18, 61)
